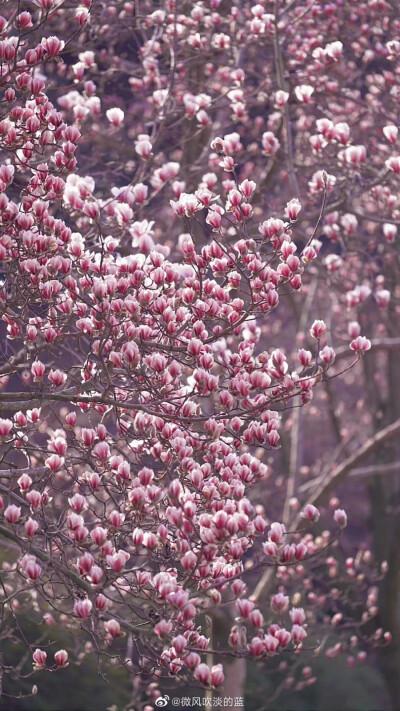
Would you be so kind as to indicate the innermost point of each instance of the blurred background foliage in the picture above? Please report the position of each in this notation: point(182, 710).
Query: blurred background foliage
point(79, 687)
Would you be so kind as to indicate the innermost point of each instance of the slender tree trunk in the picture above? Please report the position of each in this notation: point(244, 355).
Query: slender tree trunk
point(384, 495)
point(235, 682)
point(234, 667)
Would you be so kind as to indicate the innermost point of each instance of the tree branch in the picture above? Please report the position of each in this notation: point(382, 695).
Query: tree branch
point(333, 480)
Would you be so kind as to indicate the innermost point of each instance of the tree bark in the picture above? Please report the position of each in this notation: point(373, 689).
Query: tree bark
point(384, 496)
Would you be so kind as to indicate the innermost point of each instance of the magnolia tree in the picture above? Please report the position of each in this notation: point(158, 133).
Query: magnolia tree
point(198, 208)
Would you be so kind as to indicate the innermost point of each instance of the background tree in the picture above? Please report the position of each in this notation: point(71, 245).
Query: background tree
point(209, 162)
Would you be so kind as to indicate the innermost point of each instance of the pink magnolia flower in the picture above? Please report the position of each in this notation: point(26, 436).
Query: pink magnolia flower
point(304, 93)
point(271, 644)
point(24, 482)
point(298, 634)
point(82, 15)
point(116, 519)
point(31, 526)
point(257, 647)
point(100, 602)
point(301, 551)
point(143, 147)
point(179, 643)
point(334, 50)
point(270, 549)
point(113, 628)
point(354, 329)
point(163, 628)
point(12, 513)
point(297, 615)
point(292, 209)
point(33, 570)
point(117, 560)
point(5, 427)
point(61, 658)
point(102, 451)
point(283, 637)
point(53, 45)
point(57, 377)
point(281, 98)
point(217, 675)
point(279, 603)
point(288, 552)
point(340, 517)
point(321, 180)
point(354, 156)
point(202, 673)
point(95, 574)
point(24, 19)
point(360, 345)
point(87, 436)
point(192, 660)
point(305, 357)
point(99, 535)
point(39, 658)
point(77, 502)
point(389, 231)
point(85, 563)
point(327, 354)
point(390, 132)
point(318, 329)
point(245, 607)
point(256, 619)
point(54, 462)
point(393, 164)
point(277, 532)
point(310, 513)
point(382, 297)
point(83, 608)
point(34, 498)
point(45, 4)
point(270, 143)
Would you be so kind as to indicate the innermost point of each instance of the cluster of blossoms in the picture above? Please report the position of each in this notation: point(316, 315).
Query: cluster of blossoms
point(140, 395)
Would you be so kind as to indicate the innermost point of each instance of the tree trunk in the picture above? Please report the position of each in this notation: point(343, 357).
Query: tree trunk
point(384, 495)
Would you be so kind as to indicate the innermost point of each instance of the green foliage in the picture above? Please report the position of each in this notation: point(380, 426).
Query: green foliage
point(78, 687)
